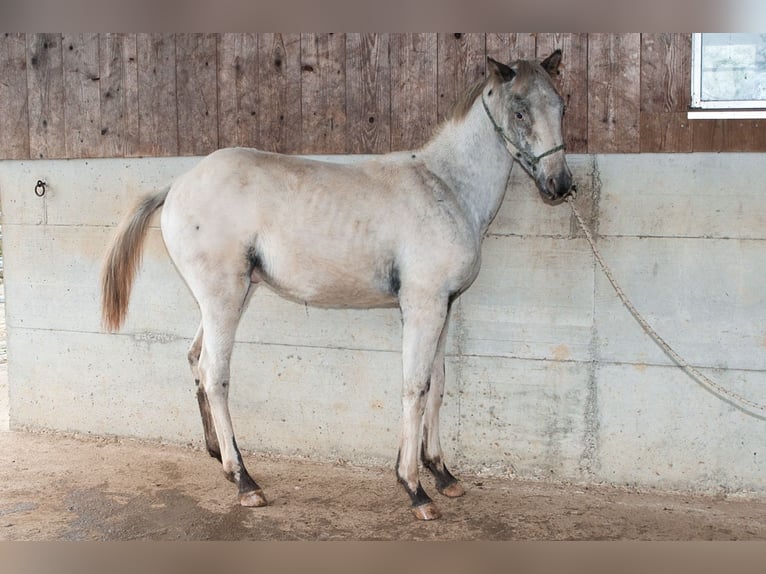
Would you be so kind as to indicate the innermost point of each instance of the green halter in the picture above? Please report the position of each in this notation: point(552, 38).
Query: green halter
point(519, 153)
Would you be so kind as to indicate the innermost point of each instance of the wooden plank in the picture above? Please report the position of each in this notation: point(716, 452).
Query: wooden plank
point(462, 62)
point(368, 97)
point(728, 135)
point(323, 93)
point(745, 136)
point(45, 85)
point(665, 132)
point(157, 111)
point(279, 84)
point(507, 48)
point(707, 135)
point(82, 98)
point(131, 109)
point(665, 72)
point(238, 90)
point(112, 73)
point(572, 83)
point(413, 89)
point(614, 94)
point(14, 116)
point(197, 93)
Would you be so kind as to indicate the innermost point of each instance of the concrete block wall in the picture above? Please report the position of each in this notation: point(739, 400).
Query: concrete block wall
point(547, 373)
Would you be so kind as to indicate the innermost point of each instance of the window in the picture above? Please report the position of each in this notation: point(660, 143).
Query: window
point(728, 76)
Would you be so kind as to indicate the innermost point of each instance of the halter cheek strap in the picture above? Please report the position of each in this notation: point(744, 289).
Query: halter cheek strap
point(514, 149)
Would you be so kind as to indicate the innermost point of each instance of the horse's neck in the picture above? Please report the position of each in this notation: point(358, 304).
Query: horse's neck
point(469, 156)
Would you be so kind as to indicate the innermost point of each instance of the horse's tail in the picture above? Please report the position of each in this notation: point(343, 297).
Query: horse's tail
point(122, 260)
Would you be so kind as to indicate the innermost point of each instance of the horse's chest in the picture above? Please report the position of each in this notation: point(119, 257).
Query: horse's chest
point(448, 265)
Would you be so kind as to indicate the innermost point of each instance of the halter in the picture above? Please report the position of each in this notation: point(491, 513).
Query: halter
point(519, 153)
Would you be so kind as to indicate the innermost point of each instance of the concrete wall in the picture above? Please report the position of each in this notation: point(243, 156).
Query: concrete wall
point(548, 374)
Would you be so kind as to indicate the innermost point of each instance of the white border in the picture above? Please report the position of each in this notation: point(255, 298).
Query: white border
point(727, 114)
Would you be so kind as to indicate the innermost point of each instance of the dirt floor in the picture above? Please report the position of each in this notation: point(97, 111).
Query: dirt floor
point(55, 487)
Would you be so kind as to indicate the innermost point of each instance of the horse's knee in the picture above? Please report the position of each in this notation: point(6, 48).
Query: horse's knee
point(214, 376)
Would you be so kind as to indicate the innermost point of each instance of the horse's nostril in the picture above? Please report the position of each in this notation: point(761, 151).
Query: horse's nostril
point(550, 184)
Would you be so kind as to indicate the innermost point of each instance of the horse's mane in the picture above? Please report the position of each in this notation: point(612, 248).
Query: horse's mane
point(524, 71)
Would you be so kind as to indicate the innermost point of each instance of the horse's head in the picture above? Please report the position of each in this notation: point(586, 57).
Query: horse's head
point(527, 111)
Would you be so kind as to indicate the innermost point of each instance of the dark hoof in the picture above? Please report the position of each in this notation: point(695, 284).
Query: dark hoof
point(254, 498)
point(427, 511)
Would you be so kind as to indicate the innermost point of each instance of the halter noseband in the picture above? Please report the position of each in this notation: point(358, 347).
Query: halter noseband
point(519, 153)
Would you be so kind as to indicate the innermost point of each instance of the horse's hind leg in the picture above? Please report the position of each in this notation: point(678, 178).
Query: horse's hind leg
point(211, 439)
point(431, 453)
point(221, 312)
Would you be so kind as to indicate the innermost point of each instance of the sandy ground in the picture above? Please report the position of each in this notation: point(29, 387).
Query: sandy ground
point(4, 422)
point(55, 487)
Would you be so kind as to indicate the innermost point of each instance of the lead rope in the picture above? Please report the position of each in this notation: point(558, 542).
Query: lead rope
point(705, 381)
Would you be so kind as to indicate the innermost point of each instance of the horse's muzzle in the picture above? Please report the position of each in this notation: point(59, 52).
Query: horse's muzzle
point(557, 187)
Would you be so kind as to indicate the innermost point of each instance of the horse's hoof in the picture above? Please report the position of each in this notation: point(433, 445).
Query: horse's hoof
point(254, 498)
point(453, 490)
point(427, 511)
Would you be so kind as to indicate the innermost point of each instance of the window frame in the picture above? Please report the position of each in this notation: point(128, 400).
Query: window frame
point(717, 109)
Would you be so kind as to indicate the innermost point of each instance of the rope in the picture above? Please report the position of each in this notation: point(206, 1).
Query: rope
point(705, 381)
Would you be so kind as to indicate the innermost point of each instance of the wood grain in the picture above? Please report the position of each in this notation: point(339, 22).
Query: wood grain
point(614, 66)
point(45, 86)
point(665, 132)
point(157, 111)
point(745, 135)
point(280, 92)
point(368, 94)
point(112, 95)
point(126, 95)
point(82, 96)
point(707, 135)
point(197, 93)
point(238, 90)
point(14, 116)
point(665, 93)
point(131, 111)
point(413, 89)
point(323, 93)
point(508, 47)
point(462, 63)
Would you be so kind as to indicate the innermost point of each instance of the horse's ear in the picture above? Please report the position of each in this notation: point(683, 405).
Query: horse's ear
point(502, 71)
point(551, 63)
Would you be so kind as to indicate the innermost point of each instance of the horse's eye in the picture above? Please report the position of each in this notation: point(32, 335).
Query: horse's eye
point(519, 116)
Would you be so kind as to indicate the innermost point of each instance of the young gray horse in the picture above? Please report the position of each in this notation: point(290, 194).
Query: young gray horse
point(402, 229)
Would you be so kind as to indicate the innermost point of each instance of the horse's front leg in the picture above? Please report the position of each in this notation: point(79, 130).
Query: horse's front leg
point(423, 319)
point(431, 454)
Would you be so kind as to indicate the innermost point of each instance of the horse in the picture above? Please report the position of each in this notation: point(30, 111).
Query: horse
point(402, 229)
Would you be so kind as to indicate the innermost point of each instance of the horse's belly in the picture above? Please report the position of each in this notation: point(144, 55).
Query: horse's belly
point(331, 295)
point(326, 285)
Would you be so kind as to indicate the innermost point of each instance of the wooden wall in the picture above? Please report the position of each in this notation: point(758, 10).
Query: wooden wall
point(128, 95)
